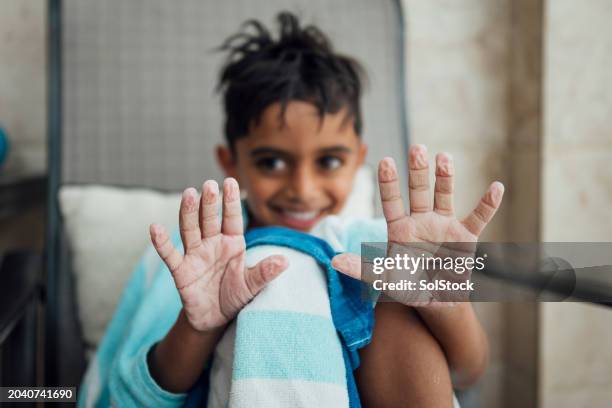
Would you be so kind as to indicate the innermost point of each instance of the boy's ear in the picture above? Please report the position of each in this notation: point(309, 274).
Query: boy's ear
point(226, 161)
point(361, 155)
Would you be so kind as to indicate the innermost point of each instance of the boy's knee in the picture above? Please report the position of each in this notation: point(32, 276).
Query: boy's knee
point(418, 376)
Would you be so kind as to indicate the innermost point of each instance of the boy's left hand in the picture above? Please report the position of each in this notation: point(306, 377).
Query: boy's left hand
point(424, 225)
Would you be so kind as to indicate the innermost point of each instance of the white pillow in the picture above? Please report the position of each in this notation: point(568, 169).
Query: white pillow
point(108, 231)
point(360, 203)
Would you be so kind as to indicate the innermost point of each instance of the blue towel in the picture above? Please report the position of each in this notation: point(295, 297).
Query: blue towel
point(259, 338)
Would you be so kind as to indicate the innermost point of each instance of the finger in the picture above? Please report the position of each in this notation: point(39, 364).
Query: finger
point(232, 211)
point(418, 179)
point(166, 251)
point(265, 271)
point(188, 219)
point(348, 264)
point(443, 190)
point(390, 194)
point(478, 219)
point(209, 209)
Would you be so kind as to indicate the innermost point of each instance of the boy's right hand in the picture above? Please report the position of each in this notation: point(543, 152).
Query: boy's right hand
point(212, 279)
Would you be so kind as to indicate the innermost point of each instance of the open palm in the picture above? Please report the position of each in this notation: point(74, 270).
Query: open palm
point(424, 224)
point(212, 279)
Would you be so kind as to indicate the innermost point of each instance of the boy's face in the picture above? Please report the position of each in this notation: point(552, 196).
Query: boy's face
point(297, 173)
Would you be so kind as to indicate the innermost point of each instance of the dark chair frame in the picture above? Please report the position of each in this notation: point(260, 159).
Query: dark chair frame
point(64, 349)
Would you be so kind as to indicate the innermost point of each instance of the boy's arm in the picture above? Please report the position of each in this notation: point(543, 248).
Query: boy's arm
point(176, 362)
point(212, 280)
point(462, 338)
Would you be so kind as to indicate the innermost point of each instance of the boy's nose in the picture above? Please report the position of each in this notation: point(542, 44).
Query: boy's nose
point(302, 185)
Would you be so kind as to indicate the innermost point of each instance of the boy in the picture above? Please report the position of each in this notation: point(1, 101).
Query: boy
point(293, 122)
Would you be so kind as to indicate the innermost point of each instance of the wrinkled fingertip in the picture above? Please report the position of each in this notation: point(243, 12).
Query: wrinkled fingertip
point(341, 263)
point(230, 181)
point(189, 192)
point(417, 156)
point(155, 230)
point(231, 190)
point(210, 186)
point(498, 185)
point(417, 149)
point(210, 191)
point(189, 198)
point(497, 191)
point(387, 170)
point(444, 164)
point(279, 262)
point(274, 266)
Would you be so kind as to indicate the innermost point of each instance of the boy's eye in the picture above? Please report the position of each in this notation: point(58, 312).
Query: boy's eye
point(271, 164)
point(330, 162)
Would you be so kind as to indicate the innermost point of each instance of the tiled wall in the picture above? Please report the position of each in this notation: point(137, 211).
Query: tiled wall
point(575, 352)
point(458, 87)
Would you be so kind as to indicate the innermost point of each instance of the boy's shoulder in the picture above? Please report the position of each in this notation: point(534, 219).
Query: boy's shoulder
point(346, 234)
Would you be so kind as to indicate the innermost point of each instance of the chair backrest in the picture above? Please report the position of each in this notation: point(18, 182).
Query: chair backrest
point(132, 101)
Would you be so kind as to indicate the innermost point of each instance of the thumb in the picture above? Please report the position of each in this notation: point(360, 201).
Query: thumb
point(348, 264)
point(258, 276)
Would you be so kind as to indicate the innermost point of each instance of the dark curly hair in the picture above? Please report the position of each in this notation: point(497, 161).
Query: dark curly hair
point(299, 65)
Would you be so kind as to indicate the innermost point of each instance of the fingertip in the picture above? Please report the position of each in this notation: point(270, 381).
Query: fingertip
point(210, 185)
point(274, 266)
point(443, 157)
point(418, 149)
point(230, 188)
point(388, 160)
point(282, 261)
point(444, 164)
point(230, 181)
point(156, 230)
point(189, 191)
point(189, 197)
point(210, 190)
point(340, 262)
point(418, 156)
point(387, 170)
point(497, 191)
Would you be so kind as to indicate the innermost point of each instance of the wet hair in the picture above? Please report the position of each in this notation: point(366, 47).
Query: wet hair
point(299, 65)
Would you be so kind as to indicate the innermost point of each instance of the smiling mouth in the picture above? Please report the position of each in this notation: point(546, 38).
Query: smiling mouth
point(299, 219)
point(301, 215)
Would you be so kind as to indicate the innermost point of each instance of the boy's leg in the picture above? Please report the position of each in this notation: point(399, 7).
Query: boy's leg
point(404, 365)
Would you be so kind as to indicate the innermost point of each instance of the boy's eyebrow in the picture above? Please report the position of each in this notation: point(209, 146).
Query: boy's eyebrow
point(278, 152)
point(336, 149)
point(268, 151)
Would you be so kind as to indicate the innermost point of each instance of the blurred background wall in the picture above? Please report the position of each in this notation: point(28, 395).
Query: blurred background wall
point(475, 91)
point(519, 91)
point(574, 347)
point(23, 109)
point(23, 81)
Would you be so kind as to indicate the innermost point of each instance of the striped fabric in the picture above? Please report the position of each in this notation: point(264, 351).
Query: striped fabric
point(283, 349)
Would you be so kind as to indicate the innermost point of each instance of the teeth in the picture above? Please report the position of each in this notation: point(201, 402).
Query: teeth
point(302, 216)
